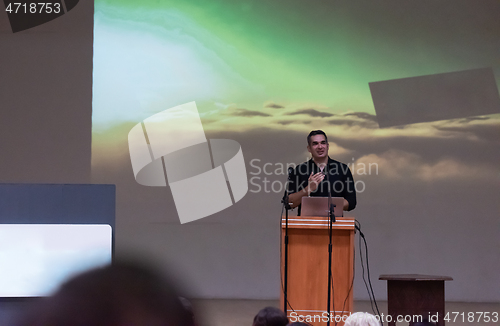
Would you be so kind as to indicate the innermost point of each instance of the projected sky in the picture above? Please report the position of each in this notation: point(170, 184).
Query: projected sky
point(265, 73)
point(289, 66)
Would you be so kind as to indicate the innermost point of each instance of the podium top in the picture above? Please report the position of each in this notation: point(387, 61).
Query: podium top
point(414, 277)
point(317, 222)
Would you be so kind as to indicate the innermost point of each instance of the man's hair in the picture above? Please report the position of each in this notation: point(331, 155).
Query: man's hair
point(270, 316)
point(314, 133)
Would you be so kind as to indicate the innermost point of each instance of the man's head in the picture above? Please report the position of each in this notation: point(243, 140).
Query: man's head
point(317, 144)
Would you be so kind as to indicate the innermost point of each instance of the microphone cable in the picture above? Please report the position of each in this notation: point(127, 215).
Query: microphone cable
point(352, 284)
point(369, 288)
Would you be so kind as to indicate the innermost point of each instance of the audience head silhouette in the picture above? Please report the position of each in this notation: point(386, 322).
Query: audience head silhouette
point(120, 294)
point(362, 319)
point(270, 316)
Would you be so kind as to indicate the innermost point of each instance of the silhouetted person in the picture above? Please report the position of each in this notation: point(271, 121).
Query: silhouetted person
point(121, 294)
point(270, 316)
point(362, 319)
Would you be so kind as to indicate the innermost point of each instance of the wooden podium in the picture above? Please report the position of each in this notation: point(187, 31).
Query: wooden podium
point(308, 240)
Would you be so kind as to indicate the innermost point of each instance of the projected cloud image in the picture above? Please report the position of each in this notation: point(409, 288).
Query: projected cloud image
point(306, 69)
point(266, 73)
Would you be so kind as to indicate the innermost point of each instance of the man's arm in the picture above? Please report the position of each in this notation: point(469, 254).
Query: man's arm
point(314, 179)
point(296, 198)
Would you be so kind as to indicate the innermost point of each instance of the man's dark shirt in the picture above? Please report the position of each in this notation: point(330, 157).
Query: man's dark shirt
point(339, 175)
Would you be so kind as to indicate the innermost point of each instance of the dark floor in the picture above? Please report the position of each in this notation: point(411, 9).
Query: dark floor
point(241, 312)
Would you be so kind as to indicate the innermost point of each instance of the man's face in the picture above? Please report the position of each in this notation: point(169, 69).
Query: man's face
point(318, 147)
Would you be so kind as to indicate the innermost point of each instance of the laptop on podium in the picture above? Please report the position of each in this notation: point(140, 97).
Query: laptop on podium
point(318, 206)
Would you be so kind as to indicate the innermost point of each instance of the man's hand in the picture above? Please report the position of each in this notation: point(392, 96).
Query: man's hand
point(346, 205)
point(314, 181)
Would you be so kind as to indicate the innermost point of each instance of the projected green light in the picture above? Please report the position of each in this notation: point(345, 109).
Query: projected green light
point(234, 57)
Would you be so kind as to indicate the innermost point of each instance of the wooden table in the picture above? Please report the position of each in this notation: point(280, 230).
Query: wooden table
point(415, 294)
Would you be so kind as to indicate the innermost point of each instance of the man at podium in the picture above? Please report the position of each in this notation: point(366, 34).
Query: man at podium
point(321, 176)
